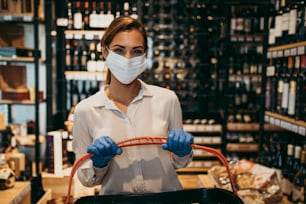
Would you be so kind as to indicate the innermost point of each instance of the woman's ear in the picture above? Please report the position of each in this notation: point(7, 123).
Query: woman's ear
point(104, 52)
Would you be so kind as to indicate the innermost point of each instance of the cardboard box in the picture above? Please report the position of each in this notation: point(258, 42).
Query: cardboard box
point(17, 52)
point(13, 77)
point(16, 94)
point(13, 35)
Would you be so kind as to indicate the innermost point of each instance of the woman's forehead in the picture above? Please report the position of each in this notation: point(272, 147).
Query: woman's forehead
point(129, 38)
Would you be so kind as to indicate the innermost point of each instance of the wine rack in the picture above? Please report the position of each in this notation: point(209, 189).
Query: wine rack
point(22, 21)
point(293, 121)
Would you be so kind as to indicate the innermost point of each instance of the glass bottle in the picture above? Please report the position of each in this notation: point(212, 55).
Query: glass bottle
point(299, 183)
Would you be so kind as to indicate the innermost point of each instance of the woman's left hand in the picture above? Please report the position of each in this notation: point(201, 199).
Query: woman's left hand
point(179, 142)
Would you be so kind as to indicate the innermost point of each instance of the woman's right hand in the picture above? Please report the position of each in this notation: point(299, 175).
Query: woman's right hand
point(104, 149)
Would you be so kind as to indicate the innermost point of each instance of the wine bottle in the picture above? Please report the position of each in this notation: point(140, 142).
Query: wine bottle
point(69, 16)
point(286, 184)
point(86, 15)
point(272, 37)
point(93, 17)
point(68, 55)
point(75, 93)
point(285, 22)
point(278, 22)
point(287, 67)
point(298, 193)
point(75, 57)
point(83, 57)
point(92, 58)
point(134, 13)
point(109, 17)
point(280, 82)
point(77, 16)
point(293, 17)
point(83, 93)
point(300, 30)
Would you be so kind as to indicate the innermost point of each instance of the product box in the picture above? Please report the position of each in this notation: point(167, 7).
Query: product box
point(13, 35)
point(15, 94)
point(12, 77)
point(17, 52)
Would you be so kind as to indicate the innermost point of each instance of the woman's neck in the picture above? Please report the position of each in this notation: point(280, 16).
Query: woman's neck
point(123, 94)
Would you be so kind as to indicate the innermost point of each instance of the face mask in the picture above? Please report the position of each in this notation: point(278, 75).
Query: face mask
point(124, 69)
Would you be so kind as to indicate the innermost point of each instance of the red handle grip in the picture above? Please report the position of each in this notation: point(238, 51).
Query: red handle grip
point(148, 140)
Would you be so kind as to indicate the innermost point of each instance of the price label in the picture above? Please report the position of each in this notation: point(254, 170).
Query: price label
point(287, 53)
point(301, 50)
point(277, 122)
point(302, 131)
point(217, 128)
point(89, 36)
point(267, 118)
point(294, 128)
point(274, 54)
point(269, 55)
point(27, 18)
point(8, 18)
point(201, 128)
point(69, 36)
point(280, 53)
point(216, 140)
point(189, 128)
point(293, 51)
point(207, 140)
point(62, 22)
point(78, 36)
point(270, 71)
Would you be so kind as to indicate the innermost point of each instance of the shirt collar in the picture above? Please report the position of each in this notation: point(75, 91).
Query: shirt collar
point(101, 100)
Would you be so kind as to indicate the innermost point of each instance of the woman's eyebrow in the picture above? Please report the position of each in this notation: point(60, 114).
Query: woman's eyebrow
point(136, 47)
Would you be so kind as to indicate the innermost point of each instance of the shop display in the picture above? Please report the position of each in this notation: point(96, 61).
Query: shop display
point(238, 68)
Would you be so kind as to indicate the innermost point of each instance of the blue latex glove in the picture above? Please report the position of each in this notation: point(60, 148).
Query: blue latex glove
point(104, 149)
point(179, 142)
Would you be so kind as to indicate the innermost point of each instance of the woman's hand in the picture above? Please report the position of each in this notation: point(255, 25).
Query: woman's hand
point(104, 149)
point(179, 142)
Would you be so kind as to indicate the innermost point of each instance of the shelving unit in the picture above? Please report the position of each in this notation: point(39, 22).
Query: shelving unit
point(280, 120)
point(244, 126)
point(206, 135)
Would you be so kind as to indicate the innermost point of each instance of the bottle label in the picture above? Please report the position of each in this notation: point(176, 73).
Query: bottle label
point(278, 26)
point(292, 21)
point(77, 21)
point(285, 95)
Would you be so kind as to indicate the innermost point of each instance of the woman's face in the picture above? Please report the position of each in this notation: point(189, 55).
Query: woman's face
point(128, 44)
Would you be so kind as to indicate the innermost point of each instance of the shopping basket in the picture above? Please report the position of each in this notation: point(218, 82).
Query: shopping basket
point(201, 195)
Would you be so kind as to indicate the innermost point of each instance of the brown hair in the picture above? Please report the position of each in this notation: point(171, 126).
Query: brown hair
point(122, 23)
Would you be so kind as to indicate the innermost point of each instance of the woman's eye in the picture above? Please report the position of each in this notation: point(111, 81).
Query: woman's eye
point(138, 52)
point(119, 51)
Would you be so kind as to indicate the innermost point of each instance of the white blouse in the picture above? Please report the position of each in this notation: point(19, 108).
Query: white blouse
point(139, 169)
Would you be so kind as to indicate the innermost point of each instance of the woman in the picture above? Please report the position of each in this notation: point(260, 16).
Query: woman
point(127, 107)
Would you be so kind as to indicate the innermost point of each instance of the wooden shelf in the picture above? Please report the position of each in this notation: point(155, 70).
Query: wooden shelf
point(84, 34)
point(242, 147)
point(18, 59)
point(291, 124)
point(287, 46)
point(251, 127)
point(85, 75)
point(23, 102)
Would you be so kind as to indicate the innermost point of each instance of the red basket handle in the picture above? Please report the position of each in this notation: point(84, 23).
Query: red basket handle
point(149, 140)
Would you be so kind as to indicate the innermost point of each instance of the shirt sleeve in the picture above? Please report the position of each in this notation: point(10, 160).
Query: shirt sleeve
point(176, 122)
point(88, 175)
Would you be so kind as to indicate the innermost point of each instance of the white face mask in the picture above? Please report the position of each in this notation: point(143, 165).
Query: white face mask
point(124, 69)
